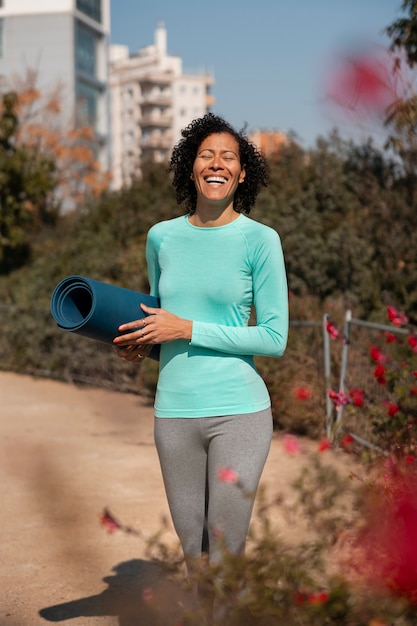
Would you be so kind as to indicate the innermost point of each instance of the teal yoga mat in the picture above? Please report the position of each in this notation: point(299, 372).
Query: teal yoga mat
point(96, 310)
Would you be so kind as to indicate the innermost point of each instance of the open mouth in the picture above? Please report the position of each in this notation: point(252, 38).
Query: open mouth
point(217, 180)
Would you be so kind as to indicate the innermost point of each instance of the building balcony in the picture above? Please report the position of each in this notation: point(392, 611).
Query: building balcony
point(156, 143)
point(155, 79)
point(156, 99)
point(156, 121)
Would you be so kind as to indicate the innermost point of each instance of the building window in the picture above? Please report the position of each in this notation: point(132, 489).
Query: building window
point(87, 105)
point(1, 36)
point(85, 51)
point(92, 8)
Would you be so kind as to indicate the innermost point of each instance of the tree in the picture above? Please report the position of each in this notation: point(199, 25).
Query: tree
point(73, 148)
point(26, 182)
point(403, 32)
point(401, 114)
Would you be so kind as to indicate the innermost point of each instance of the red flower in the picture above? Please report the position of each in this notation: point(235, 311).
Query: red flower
point(398, 318)
point(409, 459)
point(300, 597)
point(390, 337)
point(109, 522)
point(392, 409)
point(377, 355)
point(318, 598)
point(386, 544)
point(227, 475)
point(346, 441)
point(413, 391)
point(324, 444)
point(302, 393)
point(332, 330)
point(412, 341)
point(357, 397)
point(362, 84)
point(379, 373)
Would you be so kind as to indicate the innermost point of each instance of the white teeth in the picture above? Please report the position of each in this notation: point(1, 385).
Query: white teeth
point(216, 179)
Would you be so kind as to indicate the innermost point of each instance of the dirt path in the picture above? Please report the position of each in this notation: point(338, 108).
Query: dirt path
point(65, 454)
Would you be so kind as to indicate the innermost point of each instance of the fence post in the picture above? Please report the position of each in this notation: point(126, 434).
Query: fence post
point(343, 367)
point(327, 376)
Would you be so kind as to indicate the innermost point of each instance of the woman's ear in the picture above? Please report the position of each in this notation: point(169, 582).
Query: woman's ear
point(242, 175)
point(192, 176)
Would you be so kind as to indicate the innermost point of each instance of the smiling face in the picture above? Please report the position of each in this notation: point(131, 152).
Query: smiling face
point(217, 171)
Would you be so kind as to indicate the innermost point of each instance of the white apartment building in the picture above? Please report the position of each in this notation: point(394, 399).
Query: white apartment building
point(151, 101)
point(66, 43)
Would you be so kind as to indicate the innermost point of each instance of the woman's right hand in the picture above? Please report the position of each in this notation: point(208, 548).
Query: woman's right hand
point(133, 353)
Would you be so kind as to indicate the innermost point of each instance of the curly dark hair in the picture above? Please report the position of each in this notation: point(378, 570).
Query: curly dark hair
point(185, 152)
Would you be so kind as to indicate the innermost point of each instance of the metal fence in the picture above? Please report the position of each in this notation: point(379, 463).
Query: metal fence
point(358, 335)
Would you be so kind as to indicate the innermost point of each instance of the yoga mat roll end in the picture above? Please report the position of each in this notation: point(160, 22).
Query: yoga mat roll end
point(95, 309)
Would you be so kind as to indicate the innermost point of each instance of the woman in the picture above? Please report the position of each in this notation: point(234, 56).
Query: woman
point(209, 267)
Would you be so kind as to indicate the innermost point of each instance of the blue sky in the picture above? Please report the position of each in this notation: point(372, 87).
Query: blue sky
point(269, 57)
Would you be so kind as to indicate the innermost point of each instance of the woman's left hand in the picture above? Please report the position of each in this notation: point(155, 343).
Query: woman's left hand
point(159, 326)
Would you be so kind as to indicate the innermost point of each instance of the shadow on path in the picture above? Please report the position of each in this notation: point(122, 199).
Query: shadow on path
point(138, 593)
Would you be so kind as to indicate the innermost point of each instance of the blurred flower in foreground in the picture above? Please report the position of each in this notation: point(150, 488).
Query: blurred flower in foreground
point(384, 550)
point(365, 83)
point(291, 444)
point(227, 475)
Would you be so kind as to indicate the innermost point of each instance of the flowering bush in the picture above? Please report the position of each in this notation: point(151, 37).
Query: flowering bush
point(387, 412)
point(356, 566)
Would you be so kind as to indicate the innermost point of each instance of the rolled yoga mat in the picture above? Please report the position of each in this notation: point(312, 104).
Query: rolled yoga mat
point(96, 310)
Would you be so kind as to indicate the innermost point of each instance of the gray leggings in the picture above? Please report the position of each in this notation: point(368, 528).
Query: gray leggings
point(204, 508)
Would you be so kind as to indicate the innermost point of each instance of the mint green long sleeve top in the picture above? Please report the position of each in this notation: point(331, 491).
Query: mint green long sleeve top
point(215, 277)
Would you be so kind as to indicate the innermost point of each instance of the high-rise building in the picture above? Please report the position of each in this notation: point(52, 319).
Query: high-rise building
point(151, 101)
point(65, 43)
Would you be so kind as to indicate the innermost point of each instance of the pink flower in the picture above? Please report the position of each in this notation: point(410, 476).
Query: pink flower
point(301, 393)
point(339, 398)
point(291, 444)
point(398, 318)
point(227, 475)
